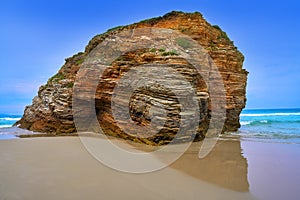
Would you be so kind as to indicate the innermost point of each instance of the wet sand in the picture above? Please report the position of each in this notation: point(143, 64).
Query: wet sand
point(273, 170)
point(61, 168)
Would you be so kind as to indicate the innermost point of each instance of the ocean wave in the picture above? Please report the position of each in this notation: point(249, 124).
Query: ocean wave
point(245, 123)
point(267, 135)
point(5, 126)
point(15, 131)
point(269, 114)
point(10, 118)
point(268, 122)
point(270, 136)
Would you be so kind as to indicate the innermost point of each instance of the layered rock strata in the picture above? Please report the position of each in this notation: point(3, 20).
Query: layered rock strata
point(51, 110)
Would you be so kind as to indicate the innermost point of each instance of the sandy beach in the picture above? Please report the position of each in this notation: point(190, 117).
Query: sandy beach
point(61, 168)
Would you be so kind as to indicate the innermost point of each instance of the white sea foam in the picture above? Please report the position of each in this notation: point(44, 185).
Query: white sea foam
point(264, 121)
point(5, 126)
point(245, 123)
point(269, 114)
point(10, 118)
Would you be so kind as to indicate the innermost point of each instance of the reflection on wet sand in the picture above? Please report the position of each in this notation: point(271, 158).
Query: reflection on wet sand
point(61, 168)
point(224, 165)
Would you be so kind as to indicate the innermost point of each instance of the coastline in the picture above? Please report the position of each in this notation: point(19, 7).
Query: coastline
point(61, 168)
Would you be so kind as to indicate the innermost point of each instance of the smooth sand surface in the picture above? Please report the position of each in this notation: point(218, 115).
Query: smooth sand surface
point(61, 168)
point(273, 170)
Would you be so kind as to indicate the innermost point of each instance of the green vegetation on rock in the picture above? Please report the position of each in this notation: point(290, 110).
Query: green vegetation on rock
point(163, 52)
point(57, 77)
point(70, 85)
point(80, 61)
point(151, 21)
point(115, 28)
point(223, 35)
point(170, 53)
point(183, 42)
point(162, 49)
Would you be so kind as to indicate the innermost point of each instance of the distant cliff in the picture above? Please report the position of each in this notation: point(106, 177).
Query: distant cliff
point(51, 109)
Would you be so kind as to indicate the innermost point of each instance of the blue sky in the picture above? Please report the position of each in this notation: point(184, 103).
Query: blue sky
point(36, 37)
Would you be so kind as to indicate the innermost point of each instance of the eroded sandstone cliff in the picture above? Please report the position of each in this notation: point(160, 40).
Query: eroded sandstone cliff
point(51, 110)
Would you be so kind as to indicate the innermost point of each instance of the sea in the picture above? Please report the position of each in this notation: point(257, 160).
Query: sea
point(265, 125)
point(270, 125)
point(7, 131)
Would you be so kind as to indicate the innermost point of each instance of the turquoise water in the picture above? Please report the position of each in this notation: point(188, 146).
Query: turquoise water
point(274, 125)
point(8, 120)
point(270, 125)
point(6, 129)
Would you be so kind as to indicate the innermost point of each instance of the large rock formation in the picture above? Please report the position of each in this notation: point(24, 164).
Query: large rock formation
point(51, 110)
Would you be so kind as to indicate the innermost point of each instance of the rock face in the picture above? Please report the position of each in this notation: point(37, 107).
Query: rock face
point(51, 110)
